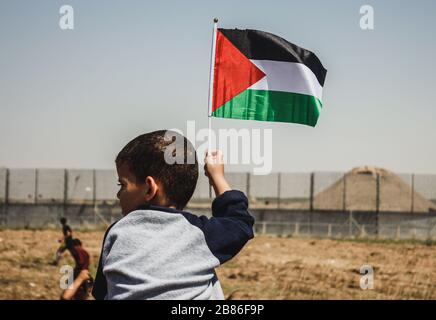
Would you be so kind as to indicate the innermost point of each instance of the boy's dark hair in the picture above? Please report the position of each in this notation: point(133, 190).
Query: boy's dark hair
point(63, 220)
point(148, 155)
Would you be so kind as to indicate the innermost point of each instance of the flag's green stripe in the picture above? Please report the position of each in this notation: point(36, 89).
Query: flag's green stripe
point(268, 105)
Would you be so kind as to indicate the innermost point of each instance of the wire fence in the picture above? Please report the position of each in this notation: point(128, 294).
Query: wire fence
point(366, 189)
point(376, 201)
point(347, 230)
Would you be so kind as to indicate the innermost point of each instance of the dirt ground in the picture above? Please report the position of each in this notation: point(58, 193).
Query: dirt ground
point(267, 268)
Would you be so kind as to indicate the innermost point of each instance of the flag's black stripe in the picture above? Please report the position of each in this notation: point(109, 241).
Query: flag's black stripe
point(259, 45)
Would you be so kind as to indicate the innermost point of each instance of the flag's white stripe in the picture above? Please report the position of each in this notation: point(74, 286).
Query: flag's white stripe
point(287, 77)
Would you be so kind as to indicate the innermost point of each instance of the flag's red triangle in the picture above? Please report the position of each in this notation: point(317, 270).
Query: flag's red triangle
point(233, 72)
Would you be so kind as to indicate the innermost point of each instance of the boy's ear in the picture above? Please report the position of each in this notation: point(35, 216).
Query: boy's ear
point(152, 188)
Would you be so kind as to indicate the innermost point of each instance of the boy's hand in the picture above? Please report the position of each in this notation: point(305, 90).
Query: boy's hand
point(214, 164)
point(83, 275)
point(214, 170)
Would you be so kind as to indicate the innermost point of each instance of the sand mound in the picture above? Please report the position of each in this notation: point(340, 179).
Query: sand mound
point(360, 186)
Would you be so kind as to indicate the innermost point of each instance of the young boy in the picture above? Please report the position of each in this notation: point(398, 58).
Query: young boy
point(157, 250)
point(83, 281)
point(67, 236)
point(80, 256)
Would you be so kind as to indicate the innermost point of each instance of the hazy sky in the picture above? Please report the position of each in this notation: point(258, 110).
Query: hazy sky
point(72, 99)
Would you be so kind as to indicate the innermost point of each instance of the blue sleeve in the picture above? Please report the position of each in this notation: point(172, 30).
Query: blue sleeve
point(231, 226)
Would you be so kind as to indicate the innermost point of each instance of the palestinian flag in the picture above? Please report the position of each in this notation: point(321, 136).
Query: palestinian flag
point(260, 76)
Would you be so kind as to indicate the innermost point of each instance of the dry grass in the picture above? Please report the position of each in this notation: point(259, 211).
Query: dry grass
point(287, 268)
point(267, 268)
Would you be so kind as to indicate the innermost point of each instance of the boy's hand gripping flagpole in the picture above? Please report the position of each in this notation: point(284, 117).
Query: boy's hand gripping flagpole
point(211, 80)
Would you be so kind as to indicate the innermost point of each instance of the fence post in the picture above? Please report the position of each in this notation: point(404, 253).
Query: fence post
point(6, 204)
point(35, 200)
point(94, 195)
point(312, 178)
point(398, 235)
point(263, 227)
point(412, 209)
point(279, 179)
point(377, 197)
point(297, 228)
point(362, 231)
point(344, 193)
point(64, 212)
point(377, 204)
point(329, 232)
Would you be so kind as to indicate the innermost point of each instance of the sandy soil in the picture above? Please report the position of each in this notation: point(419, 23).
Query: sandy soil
point(267, 268)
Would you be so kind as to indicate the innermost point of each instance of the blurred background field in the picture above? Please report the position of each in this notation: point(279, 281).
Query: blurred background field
point(314, 231)
point(269, 267)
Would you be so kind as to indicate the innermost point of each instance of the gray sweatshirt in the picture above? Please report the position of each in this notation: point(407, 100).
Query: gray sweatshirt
point(162, 253)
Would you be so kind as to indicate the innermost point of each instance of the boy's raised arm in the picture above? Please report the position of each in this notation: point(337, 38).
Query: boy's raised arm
point(214, 170)
point(231, 226)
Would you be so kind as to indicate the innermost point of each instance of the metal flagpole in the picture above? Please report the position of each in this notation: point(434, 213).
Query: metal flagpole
point(211, 78)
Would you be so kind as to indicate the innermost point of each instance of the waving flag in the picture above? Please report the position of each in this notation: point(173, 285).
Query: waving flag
point(260, 76)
